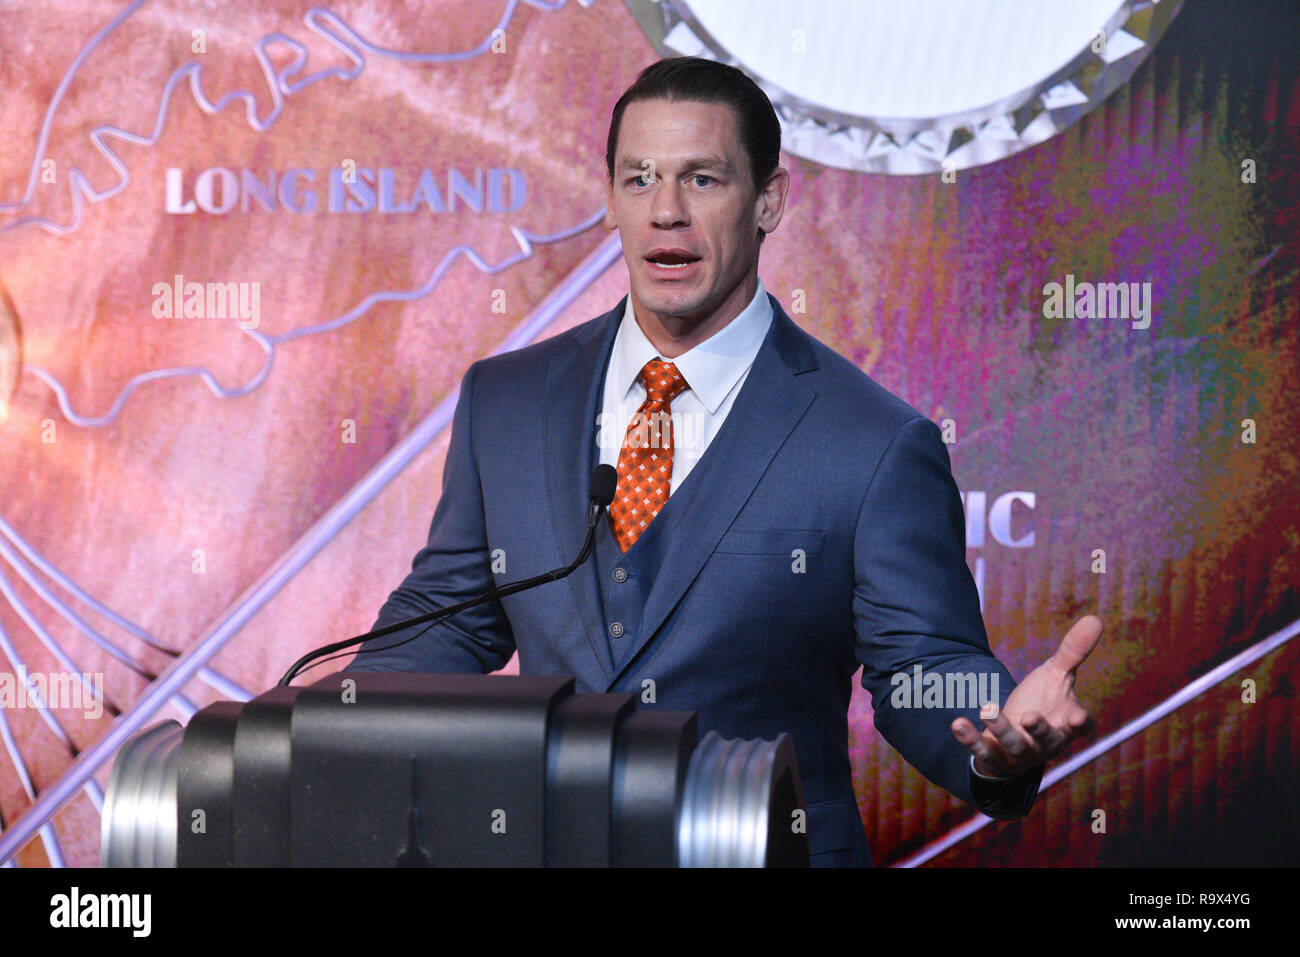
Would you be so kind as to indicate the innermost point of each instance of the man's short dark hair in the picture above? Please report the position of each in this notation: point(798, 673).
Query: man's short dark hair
point(697, 80)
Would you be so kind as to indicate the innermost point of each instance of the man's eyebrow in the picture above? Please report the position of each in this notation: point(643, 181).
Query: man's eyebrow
point(709, 162)
point(693, 163)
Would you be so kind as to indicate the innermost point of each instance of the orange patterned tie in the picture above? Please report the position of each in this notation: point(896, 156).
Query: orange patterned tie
point(645, 464)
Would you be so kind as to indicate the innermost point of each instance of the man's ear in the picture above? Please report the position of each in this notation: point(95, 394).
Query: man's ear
point(610, 221)
point(770, 204)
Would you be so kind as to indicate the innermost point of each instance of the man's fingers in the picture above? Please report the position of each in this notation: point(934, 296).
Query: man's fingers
point(1003, 747)
point(1078, 643)
point(979, 745)
point(1008, 735)
point(1079, 722)
point(965, 732)
point(1050, 739)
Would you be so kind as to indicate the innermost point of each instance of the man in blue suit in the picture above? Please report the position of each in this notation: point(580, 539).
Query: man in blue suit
point(780, 518)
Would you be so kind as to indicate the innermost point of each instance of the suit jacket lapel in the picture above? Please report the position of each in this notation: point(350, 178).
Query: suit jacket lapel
point(769, 405)
point(573, 400)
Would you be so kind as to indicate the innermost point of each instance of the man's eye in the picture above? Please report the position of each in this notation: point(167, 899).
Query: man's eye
point(645, 179)
point(699, 176)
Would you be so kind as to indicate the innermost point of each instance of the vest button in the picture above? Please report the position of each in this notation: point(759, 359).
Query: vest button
point(620, 575)
point(616, 630)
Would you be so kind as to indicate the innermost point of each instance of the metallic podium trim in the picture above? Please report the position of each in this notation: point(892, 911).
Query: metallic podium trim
point(139, 823)
point(724, 816)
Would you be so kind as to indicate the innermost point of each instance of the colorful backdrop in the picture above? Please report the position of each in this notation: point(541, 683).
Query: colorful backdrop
point(246, 255)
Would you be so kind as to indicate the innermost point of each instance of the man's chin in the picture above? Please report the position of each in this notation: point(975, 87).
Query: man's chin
point(684, 303)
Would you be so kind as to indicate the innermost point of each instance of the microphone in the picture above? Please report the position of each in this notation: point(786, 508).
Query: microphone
point(604, 481)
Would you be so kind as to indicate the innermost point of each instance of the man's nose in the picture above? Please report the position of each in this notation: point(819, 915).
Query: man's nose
point(669, 207)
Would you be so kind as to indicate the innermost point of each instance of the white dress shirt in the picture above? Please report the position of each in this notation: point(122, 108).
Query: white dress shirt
point(714, 371)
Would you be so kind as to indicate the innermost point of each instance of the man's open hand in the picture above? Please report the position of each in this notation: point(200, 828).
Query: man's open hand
point(1042, 715)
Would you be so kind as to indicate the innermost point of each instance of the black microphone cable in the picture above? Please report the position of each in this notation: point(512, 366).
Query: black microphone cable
point(604, 480)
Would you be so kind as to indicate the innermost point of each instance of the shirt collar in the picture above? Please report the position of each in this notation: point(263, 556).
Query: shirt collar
point(711, 368)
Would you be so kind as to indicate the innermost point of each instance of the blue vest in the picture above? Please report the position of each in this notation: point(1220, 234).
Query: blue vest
point(625, 577)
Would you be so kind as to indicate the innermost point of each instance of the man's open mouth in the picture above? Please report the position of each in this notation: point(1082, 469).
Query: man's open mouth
point(672, 259)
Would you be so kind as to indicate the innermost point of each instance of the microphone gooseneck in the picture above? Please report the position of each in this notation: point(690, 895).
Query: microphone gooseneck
point(604, 482)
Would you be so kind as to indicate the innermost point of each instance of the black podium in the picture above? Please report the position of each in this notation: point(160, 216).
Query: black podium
point(383, 770)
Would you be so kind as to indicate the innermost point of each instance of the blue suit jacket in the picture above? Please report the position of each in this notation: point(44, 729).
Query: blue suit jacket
point(814, 455)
